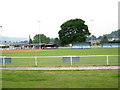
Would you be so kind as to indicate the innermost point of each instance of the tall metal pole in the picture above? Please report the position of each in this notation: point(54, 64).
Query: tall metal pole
point(1, 34)
point(39, 36)
point(1, 48)
point(91, 34)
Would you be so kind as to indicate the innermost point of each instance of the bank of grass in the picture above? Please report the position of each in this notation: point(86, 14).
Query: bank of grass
point(60, 79)
point(62, 52)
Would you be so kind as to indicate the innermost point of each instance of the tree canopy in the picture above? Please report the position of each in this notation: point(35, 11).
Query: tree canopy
point(74, 30)
point(42, 38)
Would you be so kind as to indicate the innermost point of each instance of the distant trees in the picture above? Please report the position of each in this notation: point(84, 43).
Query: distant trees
point(104, 39)
point(44, 39)
point(30, 40)
point(57, 41)
point(91, 38)
point(114, 36)
point(41, 38)
point(26, 41)
point(74, 30)
point(99, 38)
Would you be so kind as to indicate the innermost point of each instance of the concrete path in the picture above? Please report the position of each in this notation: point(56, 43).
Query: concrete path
point(60, 68)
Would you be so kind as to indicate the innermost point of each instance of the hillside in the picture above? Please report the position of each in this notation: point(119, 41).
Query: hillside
point(114, 34)
point(12, 39)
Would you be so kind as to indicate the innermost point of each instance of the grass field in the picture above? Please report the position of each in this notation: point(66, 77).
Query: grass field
point(62, 79)
point(84, 61)
point(57, 61)
point(62, 52)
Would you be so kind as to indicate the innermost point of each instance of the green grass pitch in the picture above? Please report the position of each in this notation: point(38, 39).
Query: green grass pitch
point(84, 61)
point(62, 79)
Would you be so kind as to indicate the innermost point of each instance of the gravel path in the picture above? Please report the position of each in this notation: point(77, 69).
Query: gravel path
point(59, 68)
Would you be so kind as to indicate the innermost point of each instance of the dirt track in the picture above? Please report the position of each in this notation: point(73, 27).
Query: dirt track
point(60, 68)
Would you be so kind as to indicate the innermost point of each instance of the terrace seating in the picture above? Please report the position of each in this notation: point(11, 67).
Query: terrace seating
point(115, 45)
point(81, 46)
point(86, 46)
point(111, 45)
point(106, 46)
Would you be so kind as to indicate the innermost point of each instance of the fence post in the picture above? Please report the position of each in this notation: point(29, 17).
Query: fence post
point(107, 60)
point(71, 60)
point(35, 61)
point(3, 61)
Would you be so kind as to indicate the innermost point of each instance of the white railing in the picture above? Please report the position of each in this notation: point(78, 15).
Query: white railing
point(37, 57)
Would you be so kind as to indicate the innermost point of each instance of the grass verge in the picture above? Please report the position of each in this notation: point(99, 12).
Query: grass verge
point(60, 79)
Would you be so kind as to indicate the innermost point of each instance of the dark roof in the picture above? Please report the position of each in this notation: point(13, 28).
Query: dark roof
point(81, 43)
point(113, 42)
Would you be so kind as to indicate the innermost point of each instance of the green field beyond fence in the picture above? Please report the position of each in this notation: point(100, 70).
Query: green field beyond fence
point(63, 52)
point(57, 61)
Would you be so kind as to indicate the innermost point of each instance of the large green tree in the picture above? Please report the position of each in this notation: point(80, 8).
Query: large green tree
point(41, 38)
point(74, 30)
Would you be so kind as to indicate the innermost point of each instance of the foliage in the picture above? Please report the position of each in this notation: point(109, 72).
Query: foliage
point(24, 41)
point(30, 41)
point(57, 41)
point(16, 45)
point(114, 34)
point(99, 38)
point(4, 46)
point(74, 30)
point(104, 39)
point(91, 38)
point(41, 38)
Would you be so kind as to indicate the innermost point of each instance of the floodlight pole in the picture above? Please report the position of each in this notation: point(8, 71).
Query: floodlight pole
point(1, 33)
point(91, 35)
point(39, 43)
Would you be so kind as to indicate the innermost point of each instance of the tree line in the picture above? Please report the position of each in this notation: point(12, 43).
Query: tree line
point(113, 34)
point(72, 31)
point(41, 38)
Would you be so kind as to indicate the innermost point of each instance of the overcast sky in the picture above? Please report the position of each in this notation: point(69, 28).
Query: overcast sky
point(19, 18)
